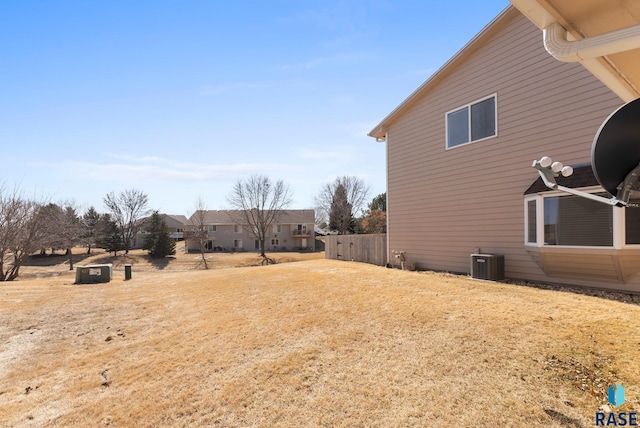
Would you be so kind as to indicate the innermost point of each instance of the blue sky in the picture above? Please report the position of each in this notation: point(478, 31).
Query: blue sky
point(180, 99)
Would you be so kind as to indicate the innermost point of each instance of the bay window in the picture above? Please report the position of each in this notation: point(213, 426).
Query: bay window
point(555, 219)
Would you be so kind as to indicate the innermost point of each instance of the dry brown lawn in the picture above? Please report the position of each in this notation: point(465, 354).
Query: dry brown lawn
point(310, 343)
point(58, 264)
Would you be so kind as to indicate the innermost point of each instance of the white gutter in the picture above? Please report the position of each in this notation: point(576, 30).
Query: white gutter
point(556, 43)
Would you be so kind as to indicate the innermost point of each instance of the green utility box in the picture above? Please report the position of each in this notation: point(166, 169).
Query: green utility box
point(93, 274)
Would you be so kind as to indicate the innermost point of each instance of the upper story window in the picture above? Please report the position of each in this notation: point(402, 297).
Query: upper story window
point(237, 228)
point(212, 228)
point(473, 122)
point(277, 228)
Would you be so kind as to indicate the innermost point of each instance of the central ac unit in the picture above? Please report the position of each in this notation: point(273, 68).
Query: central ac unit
point(487, 266)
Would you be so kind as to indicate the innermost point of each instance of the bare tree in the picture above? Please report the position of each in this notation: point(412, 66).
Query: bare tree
point(64, 228)
point(260, 203)
point(197, 228)
point(22, 228)
point(52, 214)
point(355, 190)
point(128, 208)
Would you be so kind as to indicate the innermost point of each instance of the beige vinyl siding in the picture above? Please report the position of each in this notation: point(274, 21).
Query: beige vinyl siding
point(446, 204)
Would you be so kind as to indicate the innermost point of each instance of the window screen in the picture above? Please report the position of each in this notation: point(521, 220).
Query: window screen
point(532, 229)
point(458, 127)
point(632, 224)
point(472, 122)
point(483, 119)
point(572, 220)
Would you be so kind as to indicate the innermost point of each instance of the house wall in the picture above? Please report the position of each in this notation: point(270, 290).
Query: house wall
point(444, 205)
point(175, 227)
point(225, 235)
point(172, 226)
point(288, 241)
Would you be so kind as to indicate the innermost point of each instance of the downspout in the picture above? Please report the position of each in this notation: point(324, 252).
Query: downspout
point(562, 49)
point(386, 162)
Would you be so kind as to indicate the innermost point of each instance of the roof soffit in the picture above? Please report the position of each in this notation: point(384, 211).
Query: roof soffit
point(588, 18)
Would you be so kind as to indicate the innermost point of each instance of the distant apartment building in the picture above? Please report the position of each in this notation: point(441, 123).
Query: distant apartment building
point(293, 230)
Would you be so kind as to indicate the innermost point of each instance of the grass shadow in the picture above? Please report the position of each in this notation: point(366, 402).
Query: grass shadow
point(54, 259)
point(124, 259)
point(160, 263)
point(107, 258)
point(563, 419)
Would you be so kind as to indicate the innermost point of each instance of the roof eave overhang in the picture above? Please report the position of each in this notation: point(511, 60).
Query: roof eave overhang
point(601, 68)
point(379, 133)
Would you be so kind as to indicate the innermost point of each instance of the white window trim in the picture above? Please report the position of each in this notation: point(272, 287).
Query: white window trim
point(618, 219)
point(539, 212)
point(468, 106)
point(619, 228)
point(619, 233)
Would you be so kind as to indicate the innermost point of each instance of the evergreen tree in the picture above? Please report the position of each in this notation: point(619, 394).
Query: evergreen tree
point(108, 235)
point(379, 203)
point(341, 215)
point(375, 219)
point(90, 228)
point(158, 241)
point(355, 190)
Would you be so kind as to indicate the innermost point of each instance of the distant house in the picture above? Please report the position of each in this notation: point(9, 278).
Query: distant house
point(459, 176)
point(292, 231)
point(175, 224)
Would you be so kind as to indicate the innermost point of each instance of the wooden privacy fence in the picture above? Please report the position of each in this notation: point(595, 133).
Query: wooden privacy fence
point(358, 248)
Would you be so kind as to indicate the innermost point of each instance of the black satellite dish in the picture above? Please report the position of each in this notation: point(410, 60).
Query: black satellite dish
point(616, 148)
